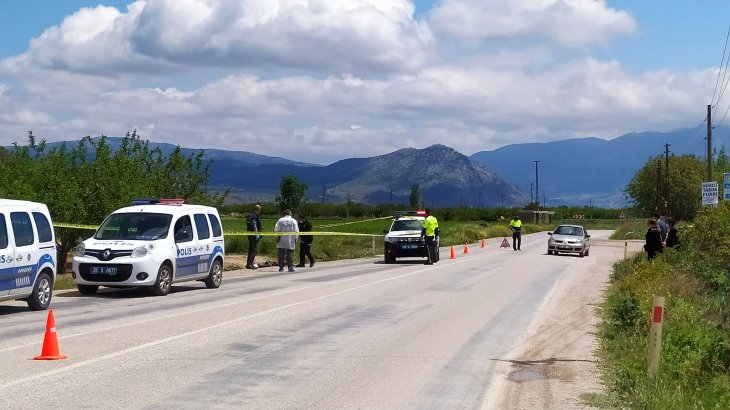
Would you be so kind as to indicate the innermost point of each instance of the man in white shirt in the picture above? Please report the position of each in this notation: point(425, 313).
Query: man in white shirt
point(286, 243)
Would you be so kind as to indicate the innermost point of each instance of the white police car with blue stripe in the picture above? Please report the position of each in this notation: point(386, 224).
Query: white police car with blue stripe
point(27, 253)
point(152, 244)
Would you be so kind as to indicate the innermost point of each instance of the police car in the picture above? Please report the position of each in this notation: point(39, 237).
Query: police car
point(153, 243)
point(27, 253)
point(403, 239)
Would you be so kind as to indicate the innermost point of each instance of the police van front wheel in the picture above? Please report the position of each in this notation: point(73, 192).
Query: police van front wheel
point(163, 282)
point(40, 299)
point(215, 277)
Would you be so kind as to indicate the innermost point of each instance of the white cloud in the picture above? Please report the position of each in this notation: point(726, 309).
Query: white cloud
point(321, 35)
point(566, 22)
point(358, 77)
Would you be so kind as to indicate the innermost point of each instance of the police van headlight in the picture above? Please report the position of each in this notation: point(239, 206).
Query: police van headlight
point(143, 250)
point(390, 239)
point(80, 249)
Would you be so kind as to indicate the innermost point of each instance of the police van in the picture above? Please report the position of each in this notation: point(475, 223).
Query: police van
point(153, 244)
point(27, 253)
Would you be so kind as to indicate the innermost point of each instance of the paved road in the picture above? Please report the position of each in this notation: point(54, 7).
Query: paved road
point(347, 334)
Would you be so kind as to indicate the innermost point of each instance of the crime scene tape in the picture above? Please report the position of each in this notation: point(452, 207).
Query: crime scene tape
point(354, 222)
point(238, 233)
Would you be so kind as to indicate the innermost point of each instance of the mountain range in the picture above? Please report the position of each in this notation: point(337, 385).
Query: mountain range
point(582, 171)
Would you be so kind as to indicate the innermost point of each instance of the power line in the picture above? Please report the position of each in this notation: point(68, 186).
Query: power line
point(722, 62)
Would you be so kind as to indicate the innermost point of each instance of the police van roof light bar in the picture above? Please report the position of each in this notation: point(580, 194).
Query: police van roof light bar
point(398, 214)
point(162, 201)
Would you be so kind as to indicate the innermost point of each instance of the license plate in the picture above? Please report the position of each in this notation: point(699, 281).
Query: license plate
point(565, 247)
point(409, 246)
point(103, 270)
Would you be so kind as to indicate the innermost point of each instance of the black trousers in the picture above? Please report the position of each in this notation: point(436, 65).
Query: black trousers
point(305, 250)
point(253, 250)
point(432, 249)
point(516, 240)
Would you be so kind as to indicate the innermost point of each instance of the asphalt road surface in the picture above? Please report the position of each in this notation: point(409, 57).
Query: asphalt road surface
point(470, 332)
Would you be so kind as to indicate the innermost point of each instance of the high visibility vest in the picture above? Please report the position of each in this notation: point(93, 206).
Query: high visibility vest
point(430, 223)
point(515, 223)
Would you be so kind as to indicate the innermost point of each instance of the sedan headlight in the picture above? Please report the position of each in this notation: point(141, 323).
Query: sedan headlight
point(143, 250)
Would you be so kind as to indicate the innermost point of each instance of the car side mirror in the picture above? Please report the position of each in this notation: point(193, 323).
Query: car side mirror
point(588, 236)
point(550, 233)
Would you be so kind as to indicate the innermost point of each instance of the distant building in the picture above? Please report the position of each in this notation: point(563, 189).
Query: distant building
point(536, 217)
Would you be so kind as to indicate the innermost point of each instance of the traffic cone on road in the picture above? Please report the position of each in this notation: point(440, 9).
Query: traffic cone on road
point(50, 341)
point(453, 254)
point(483, 245)
point(466, 249)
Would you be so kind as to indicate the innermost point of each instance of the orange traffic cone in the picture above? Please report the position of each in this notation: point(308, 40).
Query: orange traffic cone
point(483, 245)
point(453, 254)
point(466, 249)
point(50, 342)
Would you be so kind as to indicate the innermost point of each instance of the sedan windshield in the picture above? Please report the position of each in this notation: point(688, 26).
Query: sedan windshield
point(569, 230)
point(407, 225)
point(135, 226)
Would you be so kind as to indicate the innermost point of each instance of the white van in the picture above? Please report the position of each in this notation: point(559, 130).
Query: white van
point(152, 244)
point(27, 253)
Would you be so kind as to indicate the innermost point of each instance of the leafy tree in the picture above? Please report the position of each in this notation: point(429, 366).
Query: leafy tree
point(415, 196)
point(677, 194)
point(292, 193)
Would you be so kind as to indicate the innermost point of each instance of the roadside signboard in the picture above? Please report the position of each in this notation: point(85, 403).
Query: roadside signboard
point(726, 186)
point(709, 193)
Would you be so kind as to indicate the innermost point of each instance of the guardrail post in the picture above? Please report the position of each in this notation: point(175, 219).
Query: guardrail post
point(655, 336)
point(626, 243)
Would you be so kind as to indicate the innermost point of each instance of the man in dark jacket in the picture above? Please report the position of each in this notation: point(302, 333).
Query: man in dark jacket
point(305, 248)
point(253, 224)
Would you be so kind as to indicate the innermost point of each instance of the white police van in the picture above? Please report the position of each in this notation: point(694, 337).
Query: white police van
point(152, 244)
point(27, 253)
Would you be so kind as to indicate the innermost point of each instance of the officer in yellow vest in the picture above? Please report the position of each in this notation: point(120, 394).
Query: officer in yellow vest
point(430, 232)
point(516, 225)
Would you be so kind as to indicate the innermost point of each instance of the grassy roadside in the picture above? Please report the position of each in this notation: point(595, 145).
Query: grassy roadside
point(695, 360)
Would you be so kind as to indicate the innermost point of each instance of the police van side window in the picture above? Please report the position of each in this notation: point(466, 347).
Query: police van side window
point(44, 227)
point(22, 228)
point(3, 233)
point(183, 229)
point(201, 225)
point(216, 224)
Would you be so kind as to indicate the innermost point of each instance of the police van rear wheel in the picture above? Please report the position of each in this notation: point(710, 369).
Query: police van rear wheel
point(215, 277)
point(40, 299)
point(87, 289)
point(163, 282)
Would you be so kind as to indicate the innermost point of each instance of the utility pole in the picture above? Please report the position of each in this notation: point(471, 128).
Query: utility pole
point(709, 143)
point(666, 175)
point(323, 194)
point(537, 185)
point(531, 199)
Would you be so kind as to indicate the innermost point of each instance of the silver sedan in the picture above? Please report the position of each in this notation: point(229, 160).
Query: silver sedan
point(569, 239)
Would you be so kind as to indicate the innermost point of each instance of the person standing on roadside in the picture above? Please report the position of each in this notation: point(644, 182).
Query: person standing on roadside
point(516, 225)
point(286, 243)
point(663, 230)
point(653, 237)
point(305, 247)
point(430, 233)
point(253, 224)
point(672, 235)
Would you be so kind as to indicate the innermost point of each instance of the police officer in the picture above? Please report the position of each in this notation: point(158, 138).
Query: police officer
point(516, 225)
point(430, 232)
point(253, 224)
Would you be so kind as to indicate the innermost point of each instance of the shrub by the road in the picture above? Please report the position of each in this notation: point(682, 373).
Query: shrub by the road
point(695, 359)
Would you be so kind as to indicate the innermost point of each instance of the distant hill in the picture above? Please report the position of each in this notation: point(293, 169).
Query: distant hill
point(579, 171)
point(445, 178)
point(591, 170)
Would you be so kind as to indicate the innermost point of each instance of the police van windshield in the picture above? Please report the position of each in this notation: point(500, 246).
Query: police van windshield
point(407, 225)
point(135, 226)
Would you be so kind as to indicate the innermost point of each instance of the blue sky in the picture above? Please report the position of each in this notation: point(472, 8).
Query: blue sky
point(340, 78)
